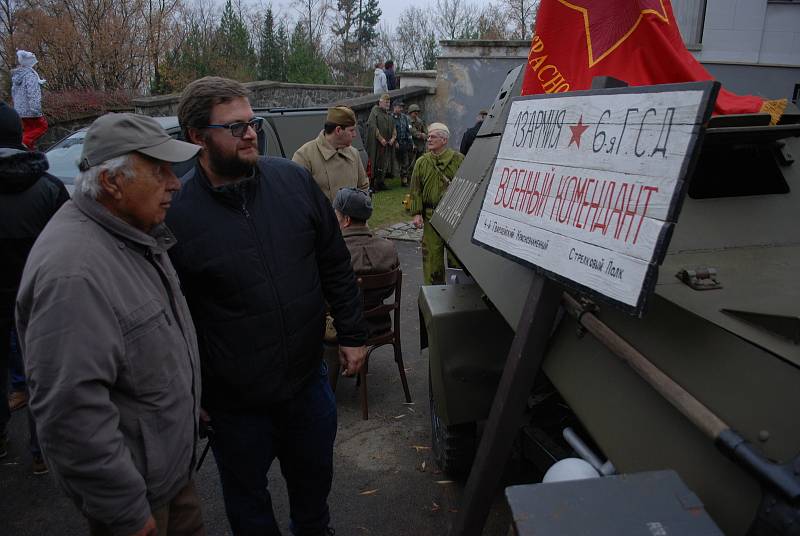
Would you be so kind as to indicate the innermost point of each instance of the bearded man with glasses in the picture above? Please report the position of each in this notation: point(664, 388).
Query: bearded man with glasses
point(259, 252)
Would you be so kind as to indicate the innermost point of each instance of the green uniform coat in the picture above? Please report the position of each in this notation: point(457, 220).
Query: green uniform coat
point(380, 125)
point(429, 181)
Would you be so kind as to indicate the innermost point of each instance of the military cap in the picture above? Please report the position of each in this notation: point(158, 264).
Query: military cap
point(354, 203)
point(342, 116)
point(385, 97)
point(439, 126)
point(113, 135)
point(413, 108)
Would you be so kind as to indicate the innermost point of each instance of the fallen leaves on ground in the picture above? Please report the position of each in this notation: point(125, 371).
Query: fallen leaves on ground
point(420, 447)
point(444, 482)
point(369, 492)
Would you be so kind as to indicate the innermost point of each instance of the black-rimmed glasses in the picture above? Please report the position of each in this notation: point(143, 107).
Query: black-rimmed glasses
point(238, 129)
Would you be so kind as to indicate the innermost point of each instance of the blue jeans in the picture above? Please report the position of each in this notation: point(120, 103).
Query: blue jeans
point(15, 366)
point(300, 433)
point(5, 353)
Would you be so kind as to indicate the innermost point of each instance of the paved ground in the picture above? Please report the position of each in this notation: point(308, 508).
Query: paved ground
point(385, 482)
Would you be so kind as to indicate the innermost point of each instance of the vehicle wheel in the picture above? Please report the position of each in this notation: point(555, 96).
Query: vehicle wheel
point(454, 445)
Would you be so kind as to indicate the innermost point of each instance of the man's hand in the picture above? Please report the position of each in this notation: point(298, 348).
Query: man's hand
point(149, 528)
point(383, 141)
point(352, 358)
point(418, 223)
point(205, 423)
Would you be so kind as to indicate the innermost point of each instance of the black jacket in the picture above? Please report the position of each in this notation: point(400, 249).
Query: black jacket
point(29, 196)
point(469, 137)
point(256, 264)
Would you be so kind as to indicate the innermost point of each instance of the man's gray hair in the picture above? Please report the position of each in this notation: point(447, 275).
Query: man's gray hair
point(88, 182)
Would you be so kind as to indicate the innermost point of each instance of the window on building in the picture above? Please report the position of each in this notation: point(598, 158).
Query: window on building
point(690, 15)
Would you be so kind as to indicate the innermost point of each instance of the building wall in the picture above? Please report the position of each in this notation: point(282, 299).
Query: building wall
point(469, 76)
point(751, 31)
point(751, 46)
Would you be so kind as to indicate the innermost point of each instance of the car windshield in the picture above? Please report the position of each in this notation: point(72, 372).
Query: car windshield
point(64, 156)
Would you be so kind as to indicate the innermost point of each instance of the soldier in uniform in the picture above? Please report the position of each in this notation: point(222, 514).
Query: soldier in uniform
point(419, 133)
point(432, 175)
point(403, 146)
point(330, 157)
point(381, 136)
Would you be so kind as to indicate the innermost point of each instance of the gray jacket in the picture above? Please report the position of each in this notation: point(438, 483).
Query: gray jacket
point(112, 363)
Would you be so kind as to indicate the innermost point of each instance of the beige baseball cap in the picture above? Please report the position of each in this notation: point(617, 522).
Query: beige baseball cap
point(114, 135)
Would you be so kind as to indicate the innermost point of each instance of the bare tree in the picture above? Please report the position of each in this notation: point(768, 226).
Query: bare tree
point(522, 14)
point(416, 36)
point(313, 14)
point(456, 19)
point(492, 22)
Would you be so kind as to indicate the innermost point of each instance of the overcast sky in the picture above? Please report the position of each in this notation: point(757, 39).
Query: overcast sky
point(391, 9)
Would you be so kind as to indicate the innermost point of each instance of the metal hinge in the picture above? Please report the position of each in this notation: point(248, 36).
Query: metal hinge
point(700, 278)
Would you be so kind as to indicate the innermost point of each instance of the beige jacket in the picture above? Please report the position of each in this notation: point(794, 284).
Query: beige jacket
point(332, 169)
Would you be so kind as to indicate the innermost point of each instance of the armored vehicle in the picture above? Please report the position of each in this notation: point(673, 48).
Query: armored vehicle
point(723, 324)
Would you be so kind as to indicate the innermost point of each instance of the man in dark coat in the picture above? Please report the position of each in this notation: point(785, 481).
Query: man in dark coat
point(472, 132)
point(259, 253)
point(391, 77)
point(29, 196)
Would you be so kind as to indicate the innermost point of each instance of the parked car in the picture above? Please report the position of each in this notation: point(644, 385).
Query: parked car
point(285, 130)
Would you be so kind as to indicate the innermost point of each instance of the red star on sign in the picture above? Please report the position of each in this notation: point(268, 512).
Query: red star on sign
point(609, 22)
point(577, 132)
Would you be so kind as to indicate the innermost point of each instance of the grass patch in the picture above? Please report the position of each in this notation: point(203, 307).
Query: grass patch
point(387, 206)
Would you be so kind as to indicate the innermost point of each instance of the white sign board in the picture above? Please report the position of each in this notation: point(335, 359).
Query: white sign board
point(587, 186)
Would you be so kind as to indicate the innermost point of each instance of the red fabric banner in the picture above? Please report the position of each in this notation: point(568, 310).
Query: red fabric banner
point(637, 41)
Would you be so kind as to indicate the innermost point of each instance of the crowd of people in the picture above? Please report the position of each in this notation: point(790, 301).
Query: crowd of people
point(153, 311)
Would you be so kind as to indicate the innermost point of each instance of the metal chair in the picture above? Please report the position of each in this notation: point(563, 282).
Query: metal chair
point(375, 283)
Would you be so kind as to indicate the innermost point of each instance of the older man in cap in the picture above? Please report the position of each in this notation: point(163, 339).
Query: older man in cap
point(330, 157)
point(432, 175)
point(369, 254)
point(108, 342)
point(381, 135)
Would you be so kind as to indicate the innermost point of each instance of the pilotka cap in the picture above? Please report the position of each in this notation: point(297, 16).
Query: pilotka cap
point(114, 135)
point(342, 116)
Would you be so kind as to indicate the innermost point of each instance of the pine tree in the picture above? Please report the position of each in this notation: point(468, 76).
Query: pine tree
point(282, 53)
point(303, 65)
point(269, 56)
point(369, 15)
point(235, 47)
point(345, 27)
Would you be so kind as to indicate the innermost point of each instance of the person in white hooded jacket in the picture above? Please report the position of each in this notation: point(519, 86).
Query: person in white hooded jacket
point(379, 84)
point(26, 92)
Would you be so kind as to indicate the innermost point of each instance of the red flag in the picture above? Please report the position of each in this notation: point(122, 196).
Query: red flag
point(637, 41)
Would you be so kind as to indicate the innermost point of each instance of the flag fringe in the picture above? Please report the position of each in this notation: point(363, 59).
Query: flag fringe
point(775, 108)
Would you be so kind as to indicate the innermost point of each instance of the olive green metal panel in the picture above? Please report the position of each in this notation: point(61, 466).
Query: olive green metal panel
point(754, 279)
point(752, 390)
point(467, 347)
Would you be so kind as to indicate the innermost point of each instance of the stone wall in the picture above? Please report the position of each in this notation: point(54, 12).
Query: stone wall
point(265, 94)
point(469, 74)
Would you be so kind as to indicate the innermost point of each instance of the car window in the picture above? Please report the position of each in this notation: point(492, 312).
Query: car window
point(63, 157)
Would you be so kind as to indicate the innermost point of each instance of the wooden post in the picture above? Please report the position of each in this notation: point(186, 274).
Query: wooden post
point(522, 365)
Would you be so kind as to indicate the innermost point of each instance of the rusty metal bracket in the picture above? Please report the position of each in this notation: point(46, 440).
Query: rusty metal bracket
point(700, 278)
